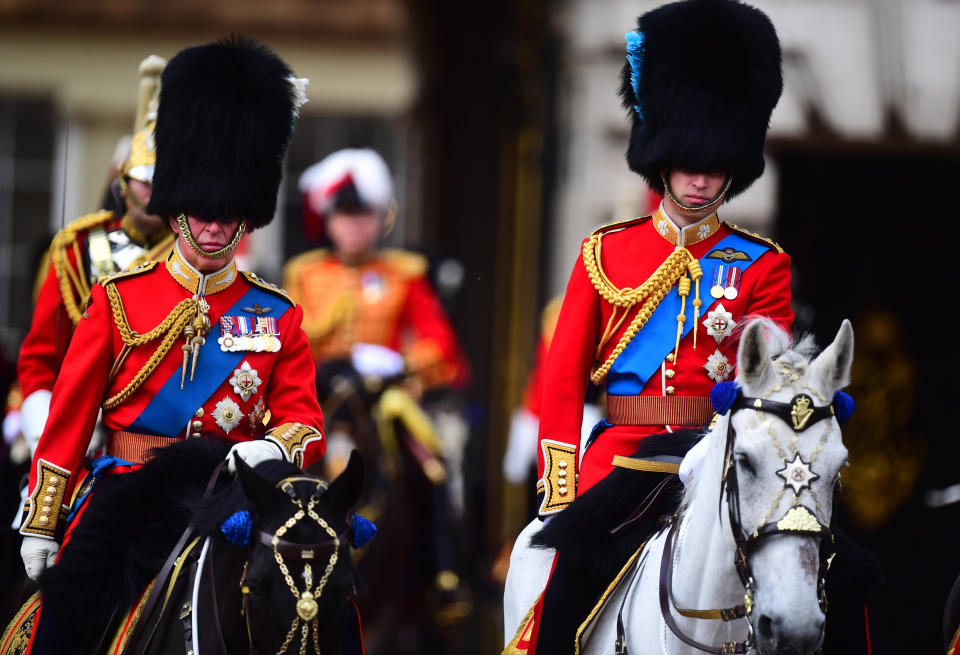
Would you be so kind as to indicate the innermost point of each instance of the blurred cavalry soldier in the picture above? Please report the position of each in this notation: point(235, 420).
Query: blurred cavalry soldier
point(375, 304)
point(373, 312)
point(650, 308)
point(89, 249)
point(189, 347)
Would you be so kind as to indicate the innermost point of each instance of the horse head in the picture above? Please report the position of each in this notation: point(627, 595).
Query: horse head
point(782, 462)
point(298, 580)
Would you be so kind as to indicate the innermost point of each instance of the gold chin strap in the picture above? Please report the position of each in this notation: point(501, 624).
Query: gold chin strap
point(129, 195)
point(713, 204)
point(217, 254)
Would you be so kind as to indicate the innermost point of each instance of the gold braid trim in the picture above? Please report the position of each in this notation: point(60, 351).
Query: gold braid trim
point(171, 328)
point(653, 290)
point(72, 287)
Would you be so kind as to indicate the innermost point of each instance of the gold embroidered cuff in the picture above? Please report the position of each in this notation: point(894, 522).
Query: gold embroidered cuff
point(559, 481)
point(46, 501)
point(293, 439)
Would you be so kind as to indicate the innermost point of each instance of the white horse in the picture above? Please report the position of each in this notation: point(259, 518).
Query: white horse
point(765, 488)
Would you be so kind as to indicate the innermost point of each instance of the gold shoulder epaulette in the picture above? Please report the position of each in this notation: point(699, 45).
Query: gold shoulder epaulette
point(619, 225)
point(756, 237)
point(407, 263)
point(295, 265)
point(140, 269)
point(68, 234)
point(258, 281)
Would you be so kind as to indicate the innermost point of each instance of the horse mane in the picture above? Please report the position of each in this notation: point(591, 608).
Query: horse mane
point(129, 526)
point(582, 530)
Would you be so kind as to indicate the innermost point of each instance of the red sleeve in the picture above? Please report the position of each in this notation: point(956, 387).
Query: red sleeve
point(771, 295)
point(292, 388)
point(79, 390)
point(435, 350)
point(569, 360)
point(44, 347)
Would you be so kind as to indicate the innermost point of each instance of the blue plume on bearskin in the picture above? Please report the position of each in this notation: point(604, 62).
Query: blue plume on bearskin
point(363, 531)
point(711, 78)
point(237, 528)
point(843, 406)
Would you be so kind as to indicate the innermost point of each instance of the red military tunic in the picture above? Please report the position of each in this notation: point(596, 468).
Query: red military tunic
point(254, 377)
point(386, 301)
point(650, 388)
point(89, 248)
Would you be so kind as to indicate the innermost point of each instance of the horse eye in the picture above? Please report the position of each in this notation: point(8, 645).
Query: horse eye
point(743, 461)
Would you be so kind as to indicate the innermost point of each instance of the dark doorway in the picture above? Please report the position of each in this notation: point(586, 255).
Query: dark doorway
point(873, 235)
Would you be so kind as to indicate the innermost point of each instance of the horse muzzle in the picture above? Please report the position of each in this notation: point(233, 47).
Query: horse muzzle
point(775, 636)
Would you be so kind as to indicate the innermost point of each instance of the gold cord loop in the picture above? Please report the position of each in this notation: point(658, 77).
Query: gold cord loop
point(672, 271)
point(216, 254)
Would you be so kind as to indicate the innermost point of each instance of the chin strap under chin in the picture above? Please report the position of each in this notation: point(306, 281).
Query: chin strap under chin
point(713, 204)
point(217, 254)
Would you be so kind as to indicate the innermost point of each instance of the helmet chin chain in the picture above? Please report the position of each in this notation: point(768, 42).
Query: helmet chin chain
point(693, 208)
point(216, 254)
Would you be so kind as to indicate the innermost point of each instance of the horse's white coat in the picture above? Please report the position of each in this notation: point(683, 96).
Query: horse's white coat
point(785, 567)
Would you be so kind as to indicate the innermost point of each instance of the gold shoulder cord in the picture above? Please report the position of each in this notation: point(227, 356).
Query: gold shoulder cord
point(74, 288)
point(673, 270)
point(175, 324)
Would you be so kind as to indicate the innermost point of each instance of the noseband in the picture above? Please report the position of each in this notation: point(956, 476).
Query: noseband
point(283, 550)
point(801, 414)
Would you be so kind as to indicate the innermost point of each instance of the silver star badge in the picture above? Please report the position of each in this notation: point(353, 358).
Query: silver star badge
point(227, 414)
point(719, 323)
point(797, 474)
point(245, 381)
point(718, 366)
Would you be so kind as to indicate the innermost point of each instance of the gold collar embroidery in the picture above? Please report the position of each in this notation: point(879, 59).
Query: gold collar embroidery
point(686, 236)
point(196, 282)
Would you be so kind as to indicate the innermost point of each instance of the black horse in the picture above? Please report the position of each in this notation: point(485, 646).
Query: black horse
point(260, 562)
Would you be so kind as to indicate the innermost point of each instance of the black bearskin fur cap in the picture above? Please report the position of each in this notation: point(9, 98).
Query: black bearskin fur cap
point(709, 80)
point(225, 117)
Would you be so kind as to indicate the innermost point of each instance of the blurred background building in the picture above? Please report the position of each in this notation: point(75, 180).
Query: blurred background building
point(502, 126)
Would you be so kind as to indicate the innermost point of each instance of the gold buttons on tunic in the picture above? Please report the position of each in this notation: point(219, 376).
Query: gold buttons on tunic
point(669, 373)
point(670, 358)
point(43, 520)
point(670, 391)
point(48, 500)
point(195, 435)
point(199, 413)
point(197, 425)
point(51, 490)
point(54, 480)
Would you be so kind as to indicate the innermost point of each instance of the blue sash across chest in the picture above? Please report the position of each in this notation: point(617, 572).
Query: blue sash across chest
point(169, 410)
point(643, 356)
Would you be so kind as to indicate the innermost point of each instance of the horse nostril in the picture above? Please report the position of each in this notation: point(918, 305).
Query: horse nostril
point(765, 628)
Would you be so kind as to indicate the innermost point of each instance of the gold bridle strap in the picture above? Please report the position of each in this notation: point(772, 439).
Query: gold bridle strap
point(652, 465)
point(672, 271)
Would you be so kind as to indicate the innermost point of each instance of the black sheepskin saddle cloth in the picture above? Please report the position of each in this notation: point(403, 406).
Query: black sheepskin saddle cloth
point(583, 532)
point(121, 541)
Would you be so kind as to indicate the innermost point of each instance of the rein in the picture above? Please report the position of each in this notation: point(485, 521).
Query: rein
point(800, 414)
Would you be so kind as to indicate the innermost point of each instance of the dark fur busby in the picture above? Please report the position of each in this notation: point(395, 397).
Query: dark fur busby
point(225, 117)
point(707, 78)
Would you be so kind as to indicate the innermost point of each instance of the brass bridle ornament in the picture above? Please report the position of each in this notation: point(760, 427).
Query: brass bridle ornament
point(801, 414)
point(305, 619)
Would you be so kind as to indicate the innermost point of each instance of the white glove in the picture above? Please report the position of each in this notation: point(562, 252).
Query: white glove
point(521, 446)
point(253, 452)
point(37, 554)
point(692, 461)
point(372, 360)
point(33, 416)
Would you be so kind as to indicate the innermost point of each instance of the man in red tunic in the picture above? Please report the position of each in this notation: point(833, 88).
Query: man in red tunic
point(652, 303)
point(191, 347)
point(86, 250)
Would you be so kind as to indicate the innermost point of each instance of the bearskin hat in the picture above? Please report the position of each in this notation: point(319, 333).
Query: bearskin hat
point(700, 82)
point(227, 111)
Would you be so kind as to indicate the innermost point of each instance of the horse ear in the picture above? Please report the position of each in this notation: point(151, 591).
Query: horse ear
point(344, 491)
point(257, 488)
point(832, 366)
point(753, 357)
